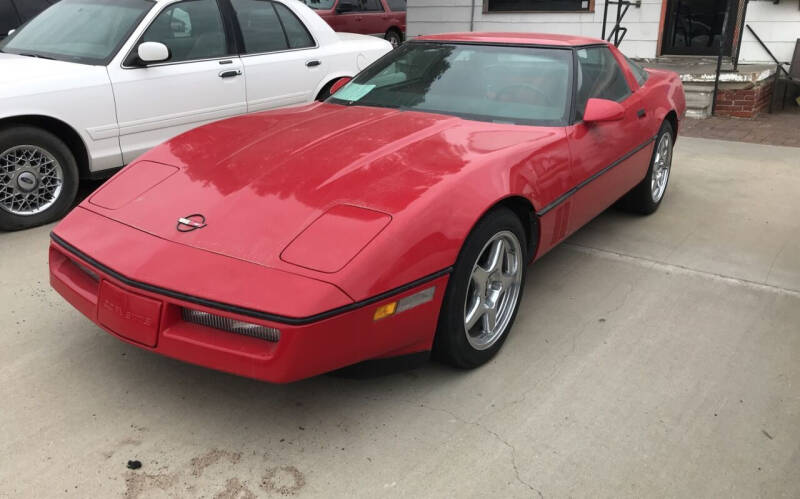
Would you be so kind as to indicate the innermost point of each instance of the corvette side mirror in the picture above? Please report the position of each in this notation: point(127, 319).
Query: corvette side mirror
point(339, 84)
point(603, 110)
point(151, 52)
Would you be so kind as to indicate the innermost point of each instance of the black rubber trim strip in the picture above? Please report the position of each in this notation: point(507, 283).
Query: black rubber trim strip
point(578, 187)
point(249, 312)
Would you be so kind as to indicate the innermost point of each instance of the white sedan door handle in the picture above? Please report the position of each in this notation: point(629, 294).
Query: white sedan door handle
point(230, 73)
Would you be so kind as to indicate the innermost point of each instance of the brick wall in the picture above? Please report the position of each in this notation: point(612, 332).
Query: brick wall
point(744, 102)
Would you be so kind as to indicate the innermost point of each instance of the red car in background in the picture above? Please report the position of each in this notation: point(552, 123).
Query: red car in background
point(386, 18)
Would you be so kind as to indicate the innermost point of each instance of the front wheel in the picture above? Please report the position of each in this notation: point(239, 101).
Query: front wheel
point(484, 291)
point(38, 177)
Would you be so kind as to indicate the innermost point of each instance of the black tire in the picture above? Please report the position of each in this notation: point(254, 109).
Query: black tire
point(640, 198)
point(394, 37)
point(14, 136)
point(451, 343)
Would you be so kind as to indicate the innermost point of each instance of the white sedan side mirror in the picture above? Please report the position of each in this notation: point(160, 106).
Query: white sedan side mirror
point(150, 52)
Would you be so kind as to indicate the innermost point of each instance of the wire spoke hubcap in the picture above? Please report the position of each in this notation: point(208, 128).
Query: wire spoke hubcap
point(493, 290)
point(31, 180)
point(661, 166)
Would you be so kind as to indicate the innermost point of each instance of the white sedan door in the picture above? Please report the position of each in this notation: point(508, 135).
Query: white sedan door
point(202, 81)
point(281, 59)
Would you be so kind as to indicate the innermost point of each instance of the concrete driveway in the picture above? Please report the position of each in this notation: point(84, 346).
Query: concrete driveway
point(652, 357)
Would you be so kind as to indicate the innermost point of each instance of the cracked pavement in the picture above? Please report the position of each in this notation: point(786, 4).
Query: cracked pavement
point(652, 357)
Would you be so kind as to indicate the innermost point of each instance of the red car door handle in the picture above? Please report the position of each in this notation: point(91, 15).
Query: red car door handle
point(641, 113)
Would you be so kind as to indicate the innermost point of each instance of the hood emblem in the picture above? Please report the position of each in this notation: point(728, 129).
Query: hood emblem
point(191, 222)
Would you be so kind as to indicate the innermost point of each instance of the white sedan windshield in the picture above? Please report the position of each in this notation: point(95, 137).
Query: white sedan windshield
point(87, 31)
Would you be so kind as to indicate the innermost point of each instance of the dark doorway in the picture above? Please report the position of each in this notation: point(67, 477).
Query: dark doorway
point(694, 27)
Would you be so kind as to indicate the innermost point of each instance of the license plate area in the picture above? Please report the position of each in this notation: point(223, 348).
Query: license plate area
point(129, 315)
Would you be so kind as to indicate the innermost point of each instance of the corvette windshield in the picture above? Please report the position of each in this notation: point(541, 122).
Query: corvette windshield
point(86, 31)
point(320, 4)
point(522, 85)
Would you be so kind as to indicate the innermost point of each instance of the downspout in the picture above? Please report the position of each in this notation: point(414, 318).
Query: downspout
point(472, 17)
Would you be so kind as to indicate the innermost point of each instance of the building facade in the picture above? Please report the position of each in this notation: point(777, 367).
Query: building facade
point(654, 28)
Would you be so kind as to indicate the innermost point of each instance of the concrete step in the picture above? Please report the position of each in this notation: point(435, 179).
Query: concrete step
point(699, 97)
point(698, 114)
point(698, 87)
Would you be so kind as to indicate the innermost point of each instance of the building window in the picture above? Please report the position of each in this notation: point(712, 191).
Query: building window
point(538, 5)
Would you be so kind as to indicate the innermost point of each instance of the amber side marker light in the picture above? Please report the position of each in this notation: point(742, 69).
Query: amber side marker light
point(407, 303)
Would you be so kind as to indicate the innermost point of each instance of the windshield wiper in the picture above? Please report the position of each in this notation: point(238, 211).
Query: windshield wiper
point(37, 56)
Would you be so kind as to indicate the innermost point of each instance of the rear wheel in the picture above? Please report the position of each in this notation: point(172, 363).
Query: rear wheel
point(394, 37)
point(38, 177)
point(484, 291)
point(646, 197)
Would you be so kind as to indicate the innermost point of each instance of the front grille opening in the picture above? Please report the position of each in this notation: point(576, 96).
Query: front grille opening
point(230, 325)
point(86, 270)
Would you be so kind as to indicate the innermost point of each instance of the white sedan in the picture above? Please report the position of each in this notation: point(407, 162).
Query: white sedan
point(89, 85)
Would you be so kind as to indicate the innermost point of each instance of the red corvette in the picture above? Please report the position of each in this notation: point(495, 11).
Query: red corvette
point(396, 217)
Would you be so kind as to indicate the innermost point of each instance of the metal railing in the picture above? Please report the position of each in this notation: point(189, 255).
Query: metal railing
point(618, 32)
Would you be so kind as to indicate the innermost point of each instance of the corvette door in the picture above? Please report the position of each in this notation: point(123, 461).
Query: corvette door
point(610, 157)
point(200, 82)
point(280, 57)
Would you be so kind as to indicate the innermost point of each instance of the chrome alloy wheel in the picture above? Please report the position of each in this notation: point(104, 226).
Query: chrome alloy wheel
point(661, 165)
point(493, 290)
point(31, 180)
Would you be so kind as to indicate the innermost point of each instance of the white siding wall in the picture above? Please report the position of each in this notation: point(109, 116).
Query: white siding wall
point(778, 26)
point(439, 16)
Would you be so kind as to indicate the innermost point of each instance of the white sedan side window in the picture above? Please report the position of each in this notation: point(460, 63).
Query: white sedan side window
point(192, 30)
point(270, 27)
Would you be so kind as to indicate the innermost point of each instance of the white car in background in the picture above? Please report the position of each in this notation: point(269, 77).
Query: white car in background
point(89, 85)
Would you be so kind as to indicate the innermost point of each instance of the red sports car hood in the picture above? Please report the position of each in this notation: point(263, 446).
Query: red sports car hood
point(260, 180)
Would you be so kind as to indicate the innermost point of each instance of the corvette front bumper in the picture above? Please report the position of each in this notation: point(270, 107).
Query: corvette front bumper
point(152, 317)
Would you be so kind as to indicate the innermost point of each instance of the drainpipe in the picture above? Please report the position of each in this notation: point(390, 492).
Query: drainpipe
point(472, 17)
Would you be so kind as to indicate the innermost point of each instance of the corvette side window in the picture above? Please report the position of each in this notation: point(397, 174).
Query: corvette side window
point(638, 72)
point(600, 77)
point(192, 30)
